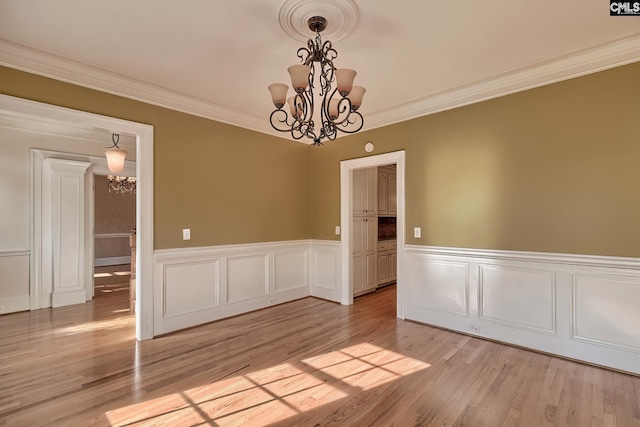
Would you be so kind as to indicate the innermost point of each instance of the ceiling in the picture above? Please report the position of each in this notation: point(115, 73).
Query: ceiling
point(215, 58)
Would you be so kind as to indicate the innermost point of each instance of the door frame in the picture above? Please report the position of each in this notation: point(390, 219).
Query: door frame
point(53, 115)
point(346, 216)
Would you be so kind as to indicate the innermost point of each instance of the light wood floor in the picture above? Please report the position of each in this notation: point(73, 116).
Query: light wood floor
point(111, 280)
point(305, 363)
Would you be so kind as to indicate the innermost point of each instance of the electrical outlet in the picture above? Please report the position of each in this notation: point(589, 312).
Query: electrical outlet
point(186, 234)
point(417, 232)
point(474, 328)
point(337, 230)
point(272, 301)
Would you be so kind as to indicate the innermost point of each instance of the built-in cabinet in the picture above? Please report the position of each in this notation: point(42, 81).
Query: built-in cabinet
point(374, 195)
point(387, 200)
point(365, 200)
point(387, 262)
point(365, 230)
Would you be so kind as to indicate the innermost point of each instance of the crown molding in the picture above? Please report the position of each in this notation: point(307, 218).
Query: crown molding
point(609, 55)
point(41, 63)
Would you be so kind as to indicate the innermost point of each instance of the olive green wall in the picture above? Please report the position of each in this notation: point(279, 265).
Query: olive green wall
point(227, 184)
point(552, 169)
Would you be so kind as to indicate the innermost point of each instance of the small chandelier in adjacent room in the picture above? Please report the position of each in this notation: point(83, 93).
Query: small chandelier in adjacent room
point(338, 106)
point(115, 155)
point(122, 184)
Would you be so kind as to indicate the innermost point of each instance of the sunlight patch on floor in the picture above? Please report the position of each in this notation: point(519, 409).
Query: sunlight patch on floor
point(121, 322)
point(98, 275)
point(274, 394)
point(122, 273)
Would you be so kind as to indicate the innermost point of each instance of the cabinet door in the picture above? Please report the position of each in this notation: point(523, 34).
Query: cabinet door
point(357, 269)
point(371, 262)
point(383, 198)
point(371, 191)
point(383, 267)
point(371, 235)
point(359, 192)
point(393, 266)
point(359, 235)
point(391, 192)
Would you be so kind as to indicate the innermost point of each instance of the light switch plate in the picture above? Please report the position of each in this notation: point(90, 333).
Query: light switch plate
point(186, 234)
point(417, 232)
point(337, 230)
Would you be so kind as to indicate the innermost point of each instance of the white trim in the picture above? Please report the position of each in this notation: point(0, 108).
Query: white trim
point(13, 106)
point(15, 253)
point(577, 306)
point(598, 58)
point(114, 260)
point(542, 257)
point(325, 269)
point(112, 235)
point(215, 282)
point(199, 252)
point(346, 213)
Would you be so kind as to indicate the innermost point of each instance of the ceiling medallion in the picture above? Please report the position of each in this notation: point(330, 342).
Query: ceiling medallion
point(341, 15)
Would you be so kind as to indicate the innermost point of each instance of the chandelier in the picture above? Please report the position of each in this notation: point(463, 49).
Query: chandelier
point(115, 155)
point(122, 184)
point(338, 106)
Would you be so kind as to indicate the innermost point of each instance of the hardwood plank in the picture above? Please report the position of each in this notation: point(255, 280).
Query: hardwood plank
point(304, 363)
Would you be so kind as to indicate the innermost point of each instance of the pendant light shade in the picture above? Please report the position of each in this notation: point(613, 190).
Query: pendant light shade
point(115, 155)
point(115, 159)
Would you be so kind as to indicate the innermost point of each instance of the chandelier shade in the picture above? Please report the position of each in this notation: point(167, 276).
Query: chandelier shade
point(335, 109)
point(115, 159)
point(115, 155)
point(279, 93)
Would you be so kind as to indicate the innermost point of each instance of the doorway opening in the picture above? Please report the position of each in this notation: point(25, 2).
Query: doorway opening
point(114, 223)
point(50, 118)
point(353, 228)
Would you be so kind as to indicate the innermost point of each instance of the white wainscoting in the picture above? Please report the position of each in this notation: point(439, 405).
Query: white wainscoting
point(14, 281)
point(200, 285)
point(326, 269)
point(577, 306)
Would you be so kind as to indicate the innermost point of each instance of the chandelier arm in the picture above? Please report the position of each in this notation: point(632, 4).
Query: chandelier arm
point(357, 118)
point(275, 121)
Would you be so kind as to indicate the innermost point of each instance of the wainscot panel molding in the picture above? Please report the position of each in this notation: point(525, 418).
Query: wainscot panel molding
point(326, 269)
point(582, 307)
point(14, 281)
point(200, 285)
